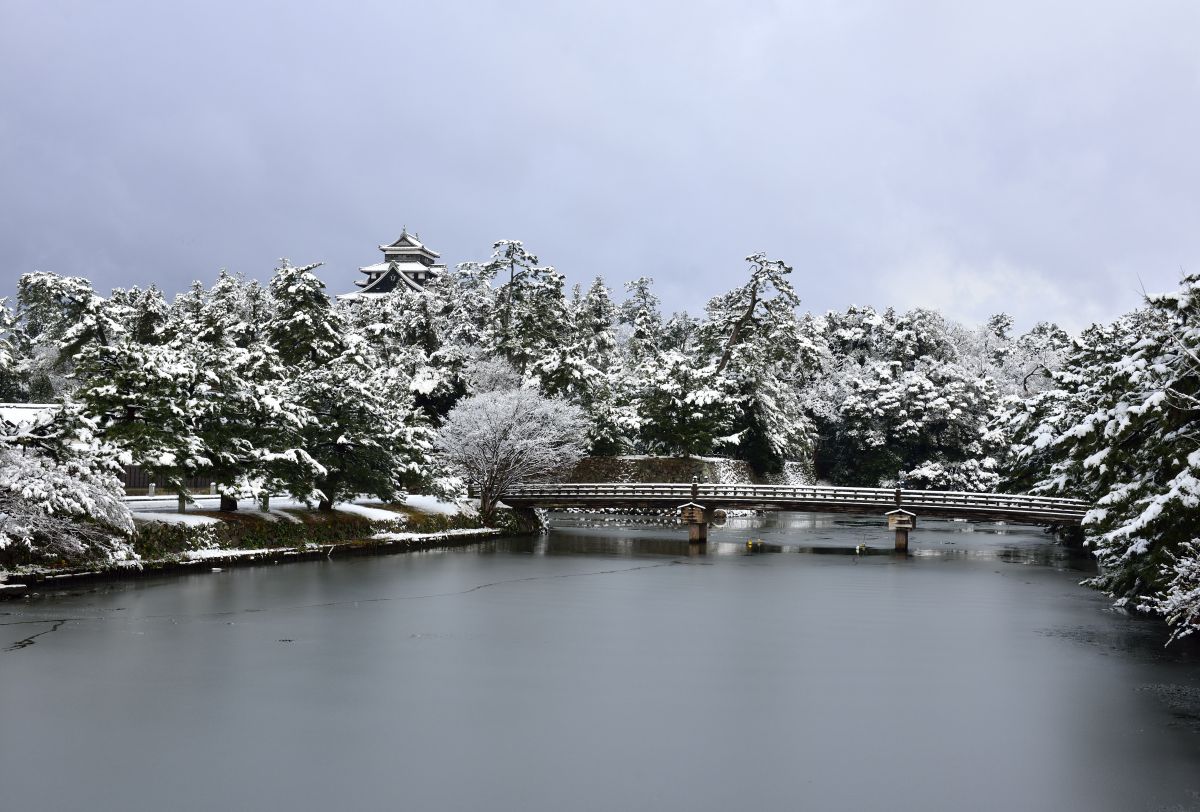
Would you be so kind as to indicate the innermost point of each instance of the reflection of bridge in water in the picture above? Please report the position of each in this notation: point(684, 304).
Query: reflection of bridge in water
point(698, 503)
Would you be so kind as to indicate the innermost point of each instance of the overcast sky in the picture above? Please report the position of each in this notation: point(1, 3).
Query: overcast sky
point(1038, 158)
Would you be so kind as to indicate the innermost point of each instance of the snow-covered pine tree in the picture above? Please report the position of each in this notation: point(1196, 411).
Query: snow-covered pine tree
point(640, 312)
point(148, 401)
point(363, 434)
point(60, 498)
point(248, 420)
point(304, 327)
point(61, 317)
point(594, 316)
point(145, 314)
point(761, 357)
point(14, 358)
point(678, 406)
point(406, 332)
point(667, 396)
point(893, 396)
point(1122, 431)
point(599, 386)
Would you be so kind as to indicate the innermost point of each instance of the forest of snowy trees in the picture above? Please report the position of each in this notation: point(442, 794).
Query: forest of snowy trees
point(278, 389)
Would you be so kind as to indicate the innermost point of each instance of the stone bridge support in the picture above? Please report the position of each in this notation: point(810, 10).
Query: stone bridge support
point(528, 520)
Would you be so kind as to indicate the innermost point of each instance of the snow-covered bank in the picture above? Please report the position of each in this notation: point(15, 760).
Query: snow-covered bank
point(185, 519)
point(413, 540)
point(165, 540)
point(213, 560)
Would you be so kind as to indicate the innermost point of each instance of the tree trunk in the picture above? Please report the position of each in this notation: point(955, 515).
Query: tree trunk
point(735, 334)
point(325, 506)
point(228, 503)
point(487, 507)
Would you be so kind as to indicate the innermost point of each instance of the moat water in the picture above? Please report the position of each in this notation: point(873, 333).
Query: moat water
point(603, 666)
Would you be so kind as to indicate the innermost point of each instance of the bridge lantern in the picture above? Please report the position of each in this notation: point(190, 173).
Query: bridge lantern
point(691, 513)
point(901, 519)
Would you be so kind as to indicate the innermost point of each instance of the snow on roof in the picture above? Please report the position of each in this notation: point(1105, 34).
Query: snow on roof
point(406, 239)
point(381, 267)
point(380, 281)
point(408, 244)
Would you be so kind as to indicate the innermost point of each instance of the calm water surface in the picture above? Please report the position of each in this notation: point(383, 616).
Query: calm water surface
point(603, 667)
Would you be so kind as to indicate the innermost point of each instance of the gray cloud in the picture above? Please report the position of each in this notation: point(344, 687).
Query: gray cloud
point(1032, 157)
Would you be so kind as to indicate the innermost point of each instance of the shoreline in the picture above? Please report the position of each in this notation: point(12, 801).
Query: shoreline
point(34, 581)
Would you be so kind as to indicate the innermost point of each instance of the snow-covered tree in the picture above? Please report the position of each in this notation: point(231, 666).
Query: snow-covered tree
point(1122, 430)
point(594, 315)
point(641, 313)
point(1019, 365)
point(60, 500)
point(364, 432)
point(304, 327)
point(62, 317)
point(933, 422)
point(503, 437)
point(145, 315)
point(679, 405)
point(763, 359)
point(361, 432)
point(148, 402)
point(894, 395)
point(14, 358)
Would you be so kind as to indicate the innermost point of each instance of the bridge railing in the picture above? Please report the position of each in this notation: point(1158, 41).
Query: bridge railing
point(795, 493)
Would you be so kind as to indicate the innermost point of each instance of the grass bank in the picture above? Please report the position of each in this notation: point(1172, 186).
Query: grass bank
point(210, 539)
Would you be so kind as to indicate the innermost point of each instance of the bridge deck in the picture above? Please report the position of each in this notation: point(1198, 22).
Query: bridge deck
point(815, 498)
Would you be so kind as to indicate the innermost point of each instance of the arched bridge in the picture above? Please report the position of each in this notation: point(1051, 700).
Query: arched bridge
point(706, 498)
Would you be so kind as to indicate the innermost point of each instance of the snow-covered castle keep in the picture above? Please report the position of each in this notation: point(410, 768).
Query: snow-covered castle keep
point(407, 265)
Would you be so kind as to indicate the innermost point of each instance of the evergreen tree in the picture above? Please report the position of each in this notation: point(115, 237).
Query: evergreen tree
point(762, 359)
point(641, 313)
point(361, 432)
point(896, 396)
point(365, 433)
point(304, 327)
point(145, 315)
point(1121, 431)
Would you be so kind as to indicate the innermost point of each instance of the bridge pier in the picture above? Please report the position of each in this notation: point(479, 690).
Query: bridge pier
point(527, 520)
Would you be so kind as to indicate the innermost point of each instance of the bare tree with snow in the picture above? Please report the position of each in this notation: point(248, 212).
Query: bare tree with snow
point(503, 437)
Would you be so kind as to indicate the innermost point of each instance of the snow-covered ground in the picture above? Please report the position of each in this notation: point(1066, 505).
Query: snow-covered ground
point(221, 552)
point(162, 517)
point(470, 531)
point(225, 554)
point(373, 513)
point(164, 509)
point(26, 413)
point(431, 504)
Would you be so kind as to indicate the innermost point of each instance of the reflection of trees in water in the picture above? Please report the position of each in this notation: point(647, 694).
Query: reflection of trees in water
point(1050, 556)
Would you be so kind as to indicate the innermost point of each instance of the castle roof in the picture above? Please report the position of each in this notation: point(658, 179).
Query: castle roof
point(410, 242)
